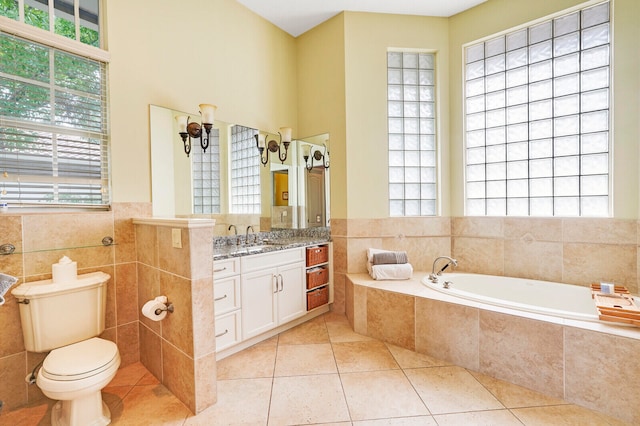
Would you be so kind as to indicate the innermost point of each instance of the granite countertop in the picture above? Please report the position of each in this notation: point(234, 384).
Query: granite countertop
point(264, 246)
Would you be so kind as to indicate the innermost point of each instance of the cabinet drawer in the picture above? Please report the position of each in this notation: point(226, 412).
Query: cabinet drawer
point(317, 255)
point(317, 298)
point(228, 330)
point(226, 294)
point(317, 276)
point(268, 260)
point(225, 268)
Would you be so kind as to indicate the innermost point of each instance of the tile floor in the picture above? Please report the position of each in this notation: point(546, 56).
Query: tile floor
point(321, 372)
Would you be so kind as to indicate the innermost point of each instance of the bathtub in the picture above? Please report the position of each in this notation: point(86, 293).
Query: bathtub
point(540, 297)
point(541, 335)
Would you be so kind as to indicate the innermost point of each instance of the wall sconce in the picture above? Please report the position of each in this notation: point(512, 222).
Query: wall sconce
point(188, 130)
point(273, 146)
point(317, 156)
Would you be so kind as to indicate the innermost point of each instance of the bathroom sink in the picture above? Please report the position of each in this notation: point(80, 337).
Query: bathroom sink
point(252, 249)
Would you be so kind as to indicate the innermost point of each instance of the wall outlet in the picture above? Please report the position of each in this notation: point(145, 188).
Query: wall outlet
point(176, 238)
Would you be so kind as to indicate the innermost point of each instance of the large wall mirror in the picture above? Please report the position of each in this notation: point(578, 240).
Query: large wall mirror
point(229, 183)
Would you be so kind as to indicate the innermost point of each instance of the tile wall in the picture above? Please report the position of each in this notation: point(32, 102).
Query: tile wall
point(180, 349)
point(40, 240)
point(575, 251)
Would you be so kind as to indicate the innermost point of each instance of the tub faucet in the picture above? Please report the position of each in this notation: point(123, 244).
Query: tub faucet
point(433, 276)
point(247, 235)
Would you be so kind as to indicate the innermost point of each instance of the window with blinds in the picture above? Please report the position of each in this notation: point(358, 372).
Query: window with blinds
point(53, 127)
point(537, 106)
point(245, 171)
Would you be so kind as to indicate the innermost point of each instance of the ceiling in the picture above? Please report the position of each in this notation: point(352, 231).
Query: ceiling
point(298, 16)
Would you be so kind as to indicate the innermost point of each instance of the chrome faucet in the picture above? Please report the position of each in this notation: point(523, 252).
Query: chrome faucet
point(433, 276)
point(247, 235)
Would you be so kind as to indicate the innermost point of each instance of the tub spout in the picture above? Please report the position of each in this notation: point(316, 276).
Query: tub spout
point(433, 276)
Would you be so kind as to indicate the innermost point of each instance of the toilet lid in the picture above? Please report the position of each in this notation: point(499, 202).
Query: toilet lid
point(79, 360)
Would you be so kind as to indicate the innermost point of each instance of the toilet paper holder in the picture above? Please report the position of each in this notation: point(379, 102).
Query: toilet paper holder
point(168, 308)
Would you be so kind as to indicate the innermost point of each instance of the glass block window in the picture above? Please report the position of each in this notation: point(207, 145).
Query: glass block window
point(411, 112)
point(245, 171)
point(74, 19)
point(205, 167)
point(537, 119)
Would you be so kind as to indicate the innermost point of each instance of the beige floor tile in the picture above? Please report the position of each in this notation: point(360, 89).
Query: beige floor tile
point(129, 375)
point(304, 360)
point(563, 415)
point(313, 331)
point(243, 401)
point(381, 394)
point(399, 421)
point(514, 396)
point(38, 413)
point(410, 359)
point(307, 399)
point(150, 402)
point(254, 362)
point(341, 331)
point(363, 356)
point(451, 390)
point(479, 418)
point(334, 317)
point(114, 395)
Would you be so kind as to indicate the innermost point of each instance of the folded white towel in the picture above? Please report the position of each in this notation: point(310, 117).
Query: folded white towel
point(398, 271)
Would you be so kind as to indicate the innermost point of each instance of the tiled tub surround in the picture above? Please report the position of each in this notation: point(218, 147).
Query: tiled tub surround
point(590, 364)
point(179, 350)
point(40, 240)
point(570, 250)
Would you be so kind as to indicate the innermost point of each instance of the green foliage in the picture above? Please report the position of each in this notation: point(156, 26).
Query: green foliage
point(90, 37)
point(39, 18)
point(9, 8)
point(36, 17)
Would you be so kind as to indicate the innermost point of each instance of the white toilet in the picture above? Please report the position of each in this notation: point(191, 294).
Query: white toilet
point(65, 318)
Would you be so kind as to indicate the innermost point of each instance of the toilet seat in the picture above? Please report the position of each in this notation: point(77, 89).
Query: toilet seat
point(80, 360)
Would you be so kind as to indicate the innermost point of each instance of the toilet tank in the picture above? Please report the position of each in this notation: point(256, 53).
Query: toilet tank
point(56, 315)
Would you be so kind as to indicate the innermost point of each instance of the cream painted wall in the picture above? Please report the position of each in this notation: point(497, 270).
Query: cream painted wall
point(367, 38)
point(499, 15)
point(179, 54)
point(321, 99)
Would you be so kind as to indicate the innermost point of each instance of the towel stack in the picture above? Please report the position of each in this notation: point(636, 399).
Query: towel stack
point(388, 265)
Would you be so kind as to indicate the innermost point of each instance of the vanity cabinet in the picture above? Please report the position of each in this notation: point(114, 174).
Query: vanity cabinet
point(227, 303)
point(272, 290)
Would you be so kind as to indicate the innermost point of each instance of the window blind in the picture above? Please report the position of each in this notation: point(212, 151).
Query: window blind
point(53, 127)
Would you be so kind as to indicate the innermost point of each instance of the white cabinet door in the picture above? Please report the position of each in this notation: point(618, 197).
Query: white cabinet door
point(259, 310)
point(291, 292)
